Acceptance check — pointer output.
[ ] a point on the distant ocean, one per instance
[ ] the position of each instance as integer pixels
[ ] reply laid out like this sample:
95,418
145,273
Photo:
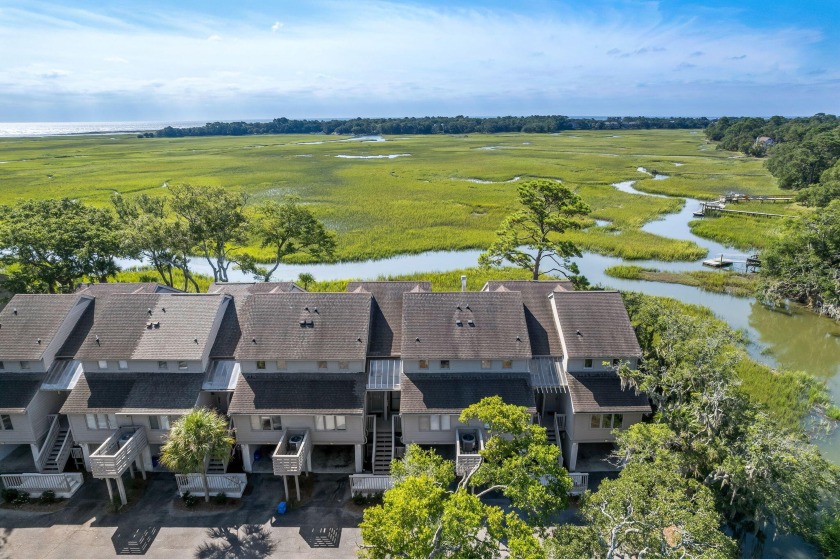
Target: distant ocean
25,129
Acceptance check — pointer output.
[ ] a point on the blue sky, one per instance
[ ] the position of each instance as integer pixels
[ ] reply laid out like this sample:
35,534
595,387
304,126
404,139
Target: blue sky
203,60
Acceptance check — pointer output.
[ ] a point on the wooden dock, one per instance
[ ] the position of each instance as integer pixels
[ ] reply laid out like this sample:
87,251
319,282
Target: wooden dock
754,198
719,208
719,262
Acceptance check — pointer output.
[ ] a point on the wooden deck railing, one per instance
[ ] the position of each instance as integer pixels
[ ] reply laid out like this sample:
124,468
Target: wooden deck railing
467,461
114,456
63,485
580,483
366,484
287,462
232,485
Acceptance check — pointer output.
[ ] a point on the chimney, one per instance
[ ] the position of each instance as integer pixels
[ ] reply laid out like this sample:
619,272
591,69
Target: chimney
463,283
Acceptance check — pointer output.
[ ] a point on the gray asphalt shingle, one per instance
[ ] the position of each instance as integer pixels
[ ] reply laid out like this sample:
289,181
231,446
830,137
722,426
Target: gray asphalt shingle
386,320
311,326
603,393
142,393
430,326
299,393
433,393
26,319
595,324
17,391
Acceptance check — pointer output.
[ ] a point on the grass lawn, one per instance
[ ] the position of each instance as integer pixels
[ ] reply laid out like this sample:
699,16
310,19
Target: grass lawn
449,192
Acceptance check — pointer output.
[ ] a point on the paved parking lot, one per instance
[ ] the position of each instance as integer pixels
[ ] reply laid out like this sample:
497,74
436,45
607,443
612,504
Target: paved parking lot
324,526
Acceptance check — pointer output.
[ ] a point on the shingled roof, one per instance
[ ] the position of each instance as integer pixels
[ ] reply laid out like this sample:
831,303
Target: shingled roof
432,393
430,326
542,329
305,326
30,323
142,393
600,393
230,331
17,391
386,319
299,393
595,324
110,288
121,326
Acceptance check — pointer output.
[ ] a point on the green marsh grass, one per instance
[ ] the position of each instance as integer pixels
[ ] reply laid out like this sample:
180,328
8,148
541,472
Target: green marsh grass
732,283
384,207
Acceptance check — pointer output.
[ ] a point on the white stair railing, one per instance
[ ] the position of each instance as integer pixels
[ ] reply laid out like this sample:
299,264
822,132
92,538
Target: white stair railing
49,441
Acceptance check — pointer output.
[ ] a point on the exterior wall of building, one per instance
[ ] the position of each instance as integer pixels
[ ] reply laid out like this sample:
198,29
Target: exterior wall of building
581,431
411,432
30,427
94,437
142,366
304,366
599,363
21,431
245,434
214,330
466,366
14,366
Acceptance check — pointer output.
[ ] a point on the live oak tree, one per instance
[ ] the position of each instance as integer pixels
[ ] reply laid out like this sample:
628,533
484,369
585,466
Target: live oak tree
194,440
650,511
531,238
50,245
287,229
215,220
421,517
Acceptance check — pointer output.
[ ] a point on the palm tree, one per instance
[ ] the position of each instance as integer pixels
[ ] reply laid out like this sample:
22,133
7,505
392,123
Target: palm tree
194,440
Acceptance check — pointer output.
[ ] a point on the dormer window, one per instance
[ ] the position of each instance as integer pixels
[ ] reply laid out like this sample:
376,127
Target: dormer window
587,363
103,364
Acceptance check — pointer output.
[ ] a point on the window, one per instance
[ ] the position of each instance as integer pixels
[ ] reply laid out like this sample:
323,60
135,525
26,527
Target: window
587,363
260,364
182,365
435,422
103,364
24,365
159,422
616,362
330,423
444,363
343,365
6,423
606,421
424,363
123,364
98,421
2,366
507,364
266,423
322,364
163,365
486,364
281,364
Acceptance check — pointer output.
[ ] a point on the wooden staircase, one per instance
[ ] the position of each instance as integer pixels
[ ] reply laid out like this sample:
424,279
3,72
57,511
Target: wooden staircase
382,449
59,452
217,466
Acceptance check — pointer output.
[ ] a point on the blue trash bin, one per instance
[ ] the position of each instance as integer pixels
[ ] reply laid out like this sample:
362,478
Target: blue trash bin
281,508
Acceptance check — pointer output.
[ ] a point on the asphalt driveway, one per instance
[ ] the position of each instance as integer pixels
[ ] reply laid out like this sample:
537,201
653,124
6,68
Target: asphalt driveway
324,525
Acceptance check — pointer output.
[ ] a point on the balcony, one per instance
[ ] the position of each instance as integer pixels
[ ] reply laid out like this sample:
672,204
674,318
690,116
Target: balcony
292,453
115,455
468,444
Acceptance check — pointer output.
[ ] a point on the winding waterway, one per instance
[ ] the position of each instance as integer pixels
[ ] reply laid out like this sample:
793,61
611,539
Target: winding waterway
795,339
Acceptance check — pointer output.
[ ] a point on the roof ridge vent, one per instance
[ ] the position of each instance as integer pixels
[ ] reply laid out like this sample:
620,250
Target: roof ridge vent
14,311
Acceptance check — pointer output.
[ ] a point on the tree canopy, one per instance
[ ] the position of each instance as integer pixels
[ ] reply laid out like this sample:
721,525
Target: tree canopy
531,237
804,264
421,517
50,245
194,440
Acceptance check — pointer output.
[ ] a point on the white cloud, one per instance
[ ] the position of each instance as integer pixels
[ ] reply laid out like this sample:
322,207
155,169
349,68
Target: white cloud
378,57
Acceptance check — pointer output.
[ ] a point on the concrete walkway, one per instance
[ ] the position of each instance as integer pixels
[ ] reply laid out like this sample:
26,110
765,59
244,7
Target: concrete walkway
325,525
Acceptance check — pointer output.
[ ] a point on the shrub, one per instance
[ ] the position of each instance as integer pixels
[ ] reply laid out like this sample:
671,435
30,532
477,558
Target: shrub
219,499
22,498
116,504
9,495
47,498
189,499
